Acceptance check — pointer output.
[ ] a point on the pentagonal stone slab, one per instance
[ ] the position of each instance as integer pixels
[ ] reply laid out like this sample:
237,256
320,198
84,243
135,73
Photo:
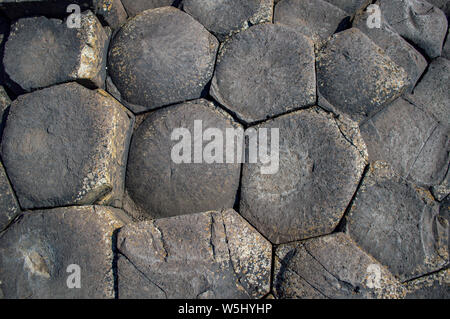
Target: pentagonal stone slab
398,224
67,145
41,52
432,92
134,7
356,77
350,6
418,22
37,250
207,255
162,186
309,193
410,140
331,267
224,18
265,71
9,207
399,50
160,57
435,286
316,19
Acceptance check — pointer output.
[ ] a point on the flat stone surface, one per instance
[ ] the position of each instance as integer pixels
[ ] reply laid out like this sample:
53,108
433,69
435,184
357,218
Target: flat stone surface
207,255
309,194
9,207
331,267
349,6
435,286
265,71
41,52
36,251
224,18
418,22
398,49
399,224
356,86
432,92
316,19
134,7
410,140
67,145
162,188
161,57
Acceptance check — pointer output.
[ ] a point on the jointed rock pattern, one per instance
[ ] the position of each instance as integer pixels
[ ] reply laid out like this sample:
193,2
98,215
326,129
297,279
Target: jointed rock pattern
115,137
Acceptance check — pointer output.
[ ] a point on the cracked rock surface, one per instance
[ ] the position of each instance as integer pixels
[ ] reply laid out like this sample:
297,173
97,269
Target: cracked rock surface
9,207
208,255
134,7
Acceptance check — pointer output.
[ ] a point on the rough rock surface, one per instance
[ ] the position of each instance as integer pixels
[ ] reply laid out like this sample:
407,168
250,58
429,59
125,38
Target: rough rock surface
446,48
36,251
111,12
5,101
316,19
444,5
435,286
265,71
162,188
356,77
398,49
67,145
350,6
41,52
331,267
134,7
224,18
442,190
399,224
410,140
9,207
418,22
161,57
207,255
309,194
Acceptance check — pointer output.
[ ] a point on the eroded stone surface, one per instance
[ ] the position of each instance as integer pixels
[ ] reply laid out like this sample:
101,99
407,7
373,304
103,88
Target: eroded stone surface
36,251
158,185
309,193
331,267
350,6
134,7
265,71
224,18
111,11
67,145
435,286
206,255
9,207
399,224
356,77
41,52
5,101
161,57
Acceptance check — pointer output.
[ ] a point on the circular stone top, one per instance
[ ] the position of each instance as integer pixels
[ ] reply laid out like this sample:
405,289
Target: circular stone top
160,57
265,71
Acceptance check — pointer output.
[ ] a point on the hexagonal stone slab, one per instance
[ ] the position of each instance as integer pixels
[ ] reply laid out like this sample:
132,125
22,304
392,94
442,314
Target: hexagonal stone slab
37,250
432,92
350,6
160,57
331,267
265,71
162,186
224,18
67,145
311,190
435,286
9,207
418,22
410,140
398,224
207,255
356,77
41,52
399,50
134,7
316,19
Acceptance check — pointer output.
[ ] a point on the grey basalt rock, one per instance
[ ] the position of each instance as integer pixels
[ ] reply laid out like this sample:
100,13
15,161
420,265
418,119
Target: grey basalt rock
446,48
67,145
37,250
442,190
9,207
225,18
264,71
41,52
207,255
331,267
162,187
410,140
350,6
161,57
417,21
444,5
356,77
398,49
316,19
434,286
111,12
399,224
134,7
310,192
5,101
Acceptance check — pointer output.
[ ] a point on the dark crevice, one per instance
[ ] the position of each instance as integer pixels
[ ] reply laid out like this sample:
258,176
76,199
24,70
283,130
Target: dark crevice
114,263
